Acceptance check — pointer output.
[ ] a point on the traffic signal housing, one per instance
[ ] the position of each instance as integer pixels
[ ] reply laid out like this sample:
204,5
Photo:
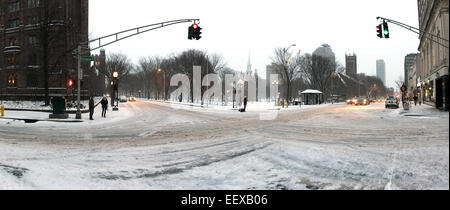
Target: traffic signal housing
191,32
195,32
380,31
386,30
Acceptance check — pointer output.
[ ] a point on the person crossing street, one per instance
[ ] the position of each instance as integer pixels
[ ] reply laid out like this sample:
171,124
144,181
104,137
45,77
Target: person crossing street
104,103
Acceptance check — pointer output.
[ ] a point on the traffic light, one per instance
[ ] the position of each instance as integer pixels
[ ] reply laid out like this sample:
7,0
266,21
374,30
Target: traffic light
380,31
70,83
191,32
386,30
197,31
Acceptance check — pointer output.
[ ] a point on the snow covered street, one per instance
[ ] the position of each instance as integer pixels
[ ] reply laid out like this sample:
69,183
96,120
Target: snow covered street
154,145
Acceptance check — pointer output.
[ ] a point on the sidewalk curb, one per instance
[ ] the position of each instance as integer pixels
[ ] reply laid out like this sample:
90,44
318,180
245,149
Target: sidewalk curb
30,120
45,111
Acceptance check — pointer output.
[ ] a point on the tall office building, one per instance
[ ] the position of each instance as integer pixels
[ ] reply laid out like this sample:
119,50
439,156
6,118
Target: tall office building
409,61
351,65
381,71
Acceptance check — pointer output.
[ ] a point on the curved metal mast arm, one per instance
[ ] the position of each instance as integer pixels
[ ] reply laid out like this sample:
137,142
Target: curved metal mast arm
418,31
115,37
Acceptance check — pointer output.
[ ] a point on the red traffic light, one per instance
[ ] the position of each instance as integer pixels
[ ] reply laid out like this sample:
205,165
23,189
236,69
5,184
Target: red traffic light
70,83
195,26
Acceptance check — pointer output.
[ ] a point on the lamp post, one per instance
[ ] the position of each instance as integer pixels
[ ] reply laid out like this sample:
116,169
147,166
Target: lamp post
275,83
285,66
115,89
78,114
164,78
333,75
240,83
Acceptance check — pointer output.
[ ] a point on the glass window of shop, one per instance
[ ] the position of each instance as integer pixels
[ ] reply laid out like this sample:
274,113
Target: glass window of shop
429,91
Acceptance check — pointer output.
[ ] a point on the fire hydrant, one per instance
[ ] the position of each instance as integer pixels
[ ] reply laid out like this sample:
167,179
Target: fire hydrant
2,110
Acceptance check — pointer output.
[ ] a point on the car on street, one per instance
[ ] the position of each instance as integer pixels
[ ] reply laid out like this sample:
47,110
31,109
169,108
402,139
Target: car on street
392,101
123,99
362,100
132,99
349,101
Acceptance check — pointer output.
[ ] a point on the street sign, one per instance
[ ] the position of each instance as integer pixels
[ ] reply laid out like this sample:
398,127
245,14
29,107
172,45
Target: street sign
87,58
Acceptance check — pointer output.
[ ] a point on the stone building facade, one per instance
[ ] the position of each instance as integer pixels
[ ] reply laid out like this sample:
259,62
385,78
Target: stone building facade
434,58
409,62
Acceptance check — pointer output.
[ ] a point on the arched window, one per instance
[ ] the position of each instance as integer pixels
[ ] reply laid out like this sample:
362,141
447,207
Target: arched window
12,80
12,42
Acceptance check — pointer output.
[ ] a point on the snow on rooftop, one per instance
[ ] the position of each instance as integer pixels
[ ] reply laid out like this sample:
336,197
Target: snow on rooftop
311,91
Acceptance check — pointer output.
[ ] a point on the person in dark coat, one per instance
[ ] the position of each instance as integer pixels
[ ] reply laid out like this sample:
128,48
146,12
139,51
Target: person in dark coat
104,103
245,103
91,108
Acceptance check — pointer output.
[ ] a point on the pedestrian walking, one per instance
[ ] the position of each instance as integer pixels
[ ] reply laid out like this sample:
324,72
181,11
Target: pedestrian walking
91,108
104,103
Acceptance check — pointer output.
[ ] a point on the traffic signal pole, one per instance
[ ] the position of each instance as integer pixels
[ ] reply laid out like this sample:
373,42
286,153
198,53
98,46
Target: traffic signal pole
427,35
78,115
118,37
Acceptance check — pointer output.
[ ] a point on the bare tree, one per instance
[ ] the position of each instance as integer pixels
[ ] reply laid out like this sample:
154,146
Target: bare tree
118,62
217,62
148,68
322,72
289,68
399,82
52,33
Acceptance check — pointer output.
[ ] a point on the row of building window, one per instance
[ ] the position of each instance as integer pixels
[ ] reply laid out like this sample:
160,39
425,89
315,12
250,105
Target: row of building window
32,80
32,41
15,6
12,23
13,60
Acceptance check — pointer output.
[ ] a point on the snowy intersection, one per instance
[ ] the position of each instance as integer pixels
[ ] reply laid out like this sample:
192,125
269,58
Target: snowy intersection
153,145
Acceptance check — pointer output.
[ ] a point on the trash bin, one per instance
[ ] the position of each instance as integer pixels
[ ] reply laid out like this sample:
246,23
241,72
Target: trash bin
59,105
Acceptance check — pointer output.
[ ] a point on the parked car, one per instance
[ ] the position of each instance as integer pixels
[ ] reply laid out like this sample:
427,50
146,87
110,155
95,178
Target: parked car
131,99
392,101
362,100
123,99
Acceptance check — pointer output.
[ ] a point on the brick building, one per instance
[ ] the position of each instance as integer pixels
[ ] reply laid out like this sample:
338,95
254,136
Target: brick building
35,34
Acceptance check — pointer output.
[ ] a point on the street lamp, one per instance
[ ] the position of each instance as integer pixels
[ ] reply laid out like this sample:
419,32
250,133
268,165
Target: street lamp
115,89
275,83
240,83
286,62
333,75
164,78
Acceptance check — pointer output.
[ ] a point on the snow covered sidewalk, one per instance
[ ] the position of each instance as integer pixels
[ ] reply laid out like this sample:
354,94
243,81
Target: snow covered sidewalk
421,111
38,118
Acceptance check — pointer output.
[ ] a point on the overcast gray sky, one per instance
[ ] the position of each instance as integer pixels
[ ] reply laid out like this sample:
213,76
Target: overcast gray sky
232,28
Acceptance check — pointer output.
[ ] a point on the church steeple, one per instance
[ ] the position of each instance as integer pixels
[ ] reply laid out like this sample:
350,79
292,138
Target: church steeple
249,65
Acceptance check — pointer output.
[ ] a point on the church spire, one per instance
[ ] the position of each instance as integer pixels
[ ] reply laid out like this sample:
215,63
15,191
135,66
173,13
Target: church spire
249,65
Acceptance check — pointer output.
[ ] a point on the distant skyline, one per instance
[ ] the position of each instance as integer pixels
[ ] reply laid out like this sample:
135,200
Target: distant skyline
232,28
